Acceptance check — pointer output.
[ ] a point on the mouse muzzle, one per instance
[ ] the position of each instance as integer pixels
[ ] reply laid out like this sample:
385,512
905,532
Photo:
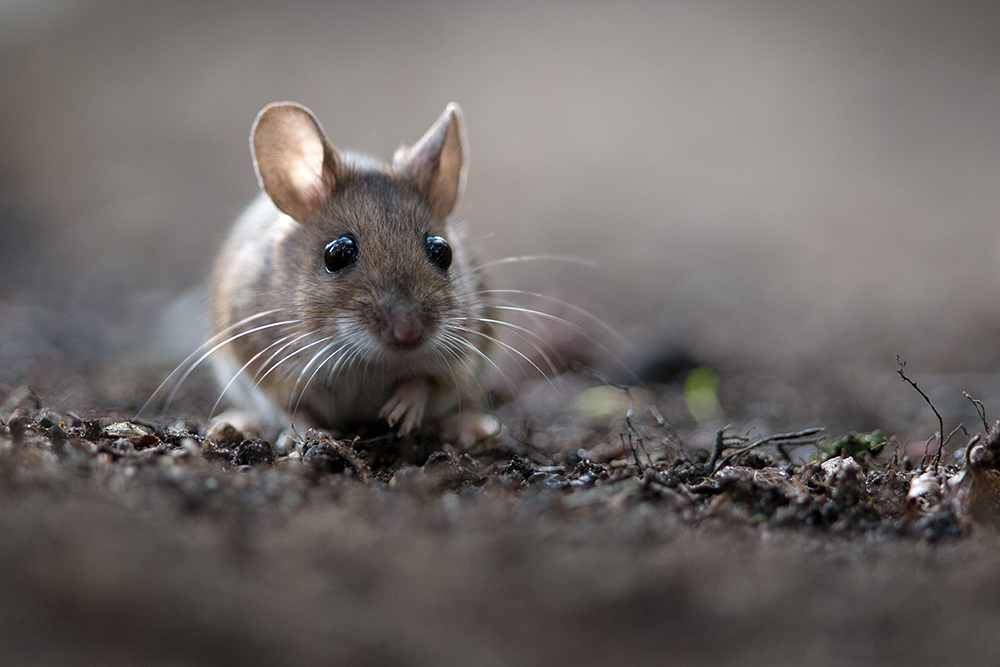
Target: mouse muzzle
403,327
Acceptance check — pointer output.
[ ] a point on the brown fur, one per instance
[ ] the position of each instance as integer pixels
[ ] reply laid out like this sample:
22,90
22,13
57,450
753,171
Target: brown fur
273,261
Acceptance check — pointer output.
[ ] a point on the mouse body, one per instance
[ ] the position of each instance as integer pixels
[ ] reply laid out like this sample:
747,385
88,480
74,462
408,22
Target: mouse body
343,294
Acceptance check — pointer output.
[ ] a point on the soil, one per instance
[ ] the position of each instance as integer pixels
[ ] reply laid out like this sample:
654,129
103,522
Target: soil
573,537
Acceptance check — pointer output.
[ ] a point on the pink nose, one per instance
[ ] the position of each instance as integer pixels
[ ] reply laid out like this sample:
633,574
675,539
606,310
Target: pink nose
404,328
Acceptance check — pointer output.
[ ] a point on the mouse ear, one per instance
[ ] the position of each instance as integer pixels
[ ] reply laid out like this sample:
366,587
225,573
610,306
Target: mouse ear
437,163
296,164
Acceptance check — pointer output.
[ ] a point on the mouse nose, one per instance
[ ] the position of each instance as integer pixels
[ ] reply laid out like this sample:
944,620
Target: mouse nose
405,329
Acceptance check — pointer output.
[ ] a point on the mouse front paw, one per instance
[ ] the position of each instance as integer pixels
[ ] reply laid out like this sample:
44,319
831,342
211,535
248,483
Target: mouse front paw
407,405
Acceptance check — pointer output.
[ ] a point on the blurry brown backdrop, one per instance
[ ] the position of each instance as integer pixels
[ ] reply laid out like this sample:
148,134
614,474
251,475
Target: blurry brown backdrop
800,188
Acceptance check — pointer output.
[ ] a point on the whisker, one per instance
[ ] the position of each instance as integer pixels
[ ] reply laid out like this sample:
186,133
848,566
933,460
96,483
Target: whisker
514,350
341,362
191,356
511,349
589,263
303,369
287,357
439,352
525,334
572,325
343,365
456,352
614,333
217,347
319,366
471,346
257,375
247,365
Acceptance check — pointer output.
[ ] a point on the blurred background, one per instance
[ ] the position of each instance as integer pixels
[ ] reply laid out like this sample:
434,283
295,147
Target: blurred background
790,192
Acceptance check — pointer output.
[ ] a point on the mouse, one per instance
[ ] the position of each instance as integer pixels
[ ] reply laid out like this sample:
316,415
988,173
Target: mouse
345,294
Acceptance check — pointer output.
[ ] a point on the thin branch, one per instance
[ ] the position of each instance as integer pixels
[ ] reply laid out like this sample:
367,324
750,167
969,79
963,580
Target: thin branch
720,446
940,451
629,413
672,441
937,456
981,409
665,425
801,437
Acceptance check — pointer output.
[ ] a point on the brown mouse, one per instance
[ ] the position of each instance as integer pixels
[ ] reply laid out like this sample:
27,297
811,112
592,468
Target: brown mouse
344,295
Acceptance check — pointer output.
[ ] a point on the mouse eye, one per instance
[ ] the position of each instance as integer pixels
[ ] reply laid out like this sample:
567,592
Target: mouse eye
438,251
340,253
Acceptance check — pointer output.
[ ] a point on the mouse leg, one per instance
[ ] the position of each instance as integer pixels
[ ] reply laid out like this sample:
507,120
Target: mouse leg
407,405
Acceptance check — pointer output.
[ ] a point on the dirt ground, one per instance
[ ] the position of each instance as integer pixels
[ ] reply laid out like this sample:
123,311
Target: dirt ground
778,195
157,545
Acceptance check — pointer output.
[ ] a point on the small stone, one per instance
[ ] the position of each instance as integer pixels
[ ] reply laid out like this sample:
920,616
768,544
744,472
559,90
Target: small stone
120,447
324,459
93,431
224,434
924,493
19,425
286,443
47,418
188,448
548,480
253,452
126,430
588,473
848,484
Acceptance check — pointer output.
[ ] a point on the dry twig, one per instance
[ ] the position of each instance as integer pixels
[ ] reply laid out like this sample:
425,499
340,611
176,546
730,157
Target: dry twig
631,433
980,408
941,439
804,437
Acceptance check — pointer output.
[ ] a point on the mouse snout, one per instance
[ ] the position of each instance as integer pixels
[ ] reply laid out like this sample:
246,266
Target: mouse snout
404,326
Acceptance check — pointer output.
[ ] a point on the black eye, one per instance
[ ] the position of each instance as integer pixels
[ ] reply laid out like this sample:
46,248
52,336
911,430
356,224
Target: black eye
438,251
340,253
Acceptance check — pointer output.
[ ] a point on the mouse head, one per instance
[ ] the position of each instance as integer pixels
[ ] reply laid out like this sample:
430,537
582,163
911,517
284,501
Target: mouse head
371,246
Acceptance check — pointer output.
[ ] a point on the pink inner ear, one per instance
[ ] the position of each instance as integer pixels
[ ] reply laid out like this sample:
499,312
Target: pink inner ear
305,165
435,162
306,177
294,160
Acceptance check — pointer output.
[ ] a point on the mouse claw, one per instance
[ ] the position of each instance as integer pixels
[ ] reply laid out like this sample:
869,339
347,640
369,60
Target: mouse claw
406,407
